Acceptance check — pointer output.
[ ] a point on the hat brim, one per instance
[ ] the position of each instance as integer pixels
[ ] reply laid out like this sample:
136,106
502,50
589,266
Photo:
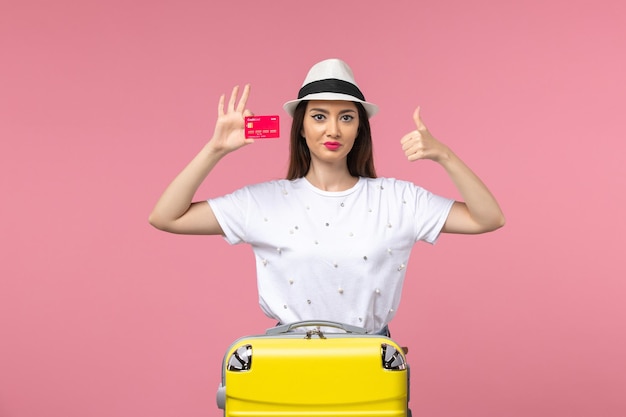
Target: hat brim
290,106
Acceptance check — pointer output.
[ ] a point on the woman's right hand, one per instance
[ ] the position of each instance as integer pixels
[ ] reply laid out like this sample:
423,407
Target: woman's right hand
229,128
175,212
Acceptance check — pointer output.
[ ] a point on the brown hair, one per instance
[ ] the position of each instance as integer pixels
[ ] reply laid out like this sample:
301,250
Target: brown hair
360,158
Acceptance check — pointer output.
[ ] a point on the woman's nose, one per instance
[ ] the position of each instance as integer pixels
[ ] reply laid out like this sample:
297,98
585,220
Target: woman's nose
332,129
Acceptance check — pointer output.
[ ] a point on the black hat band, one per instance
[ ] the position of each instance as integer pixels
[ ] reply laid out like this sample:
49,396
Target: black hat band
331,85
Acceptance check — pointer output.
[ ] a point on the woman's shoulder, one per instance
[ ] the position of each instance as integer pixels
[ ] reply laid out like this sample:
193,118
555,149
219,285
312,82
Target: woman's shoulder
395,187
275,185
389,182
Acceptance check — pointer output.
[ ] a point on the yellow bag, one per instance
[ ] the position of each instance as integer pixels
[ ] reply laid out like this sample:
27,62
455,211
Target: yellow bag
314,373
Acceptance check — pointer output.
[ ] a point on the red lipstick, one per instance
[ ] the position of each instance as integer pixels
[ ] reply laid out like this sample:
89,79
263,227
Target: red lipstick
332,146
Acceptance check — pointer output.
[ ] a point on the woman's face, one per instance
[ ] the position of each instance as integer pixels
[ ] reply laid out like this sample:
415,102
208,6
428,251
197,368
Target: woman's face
330,128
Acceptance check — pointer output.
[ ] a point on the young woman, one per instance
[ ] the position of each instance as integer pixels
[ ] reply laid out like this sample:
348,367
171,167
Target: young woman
332,240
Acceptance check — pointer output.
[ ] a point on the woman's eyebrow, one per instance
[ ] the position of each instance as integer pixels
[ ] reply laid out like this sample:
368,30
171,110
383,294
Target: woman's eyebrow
320,110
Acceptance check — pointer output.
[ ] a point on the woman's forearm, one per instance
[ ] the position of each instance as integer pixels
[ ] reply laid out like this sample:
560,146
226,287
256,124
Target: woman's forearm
479,212
479,203
178,196
175,211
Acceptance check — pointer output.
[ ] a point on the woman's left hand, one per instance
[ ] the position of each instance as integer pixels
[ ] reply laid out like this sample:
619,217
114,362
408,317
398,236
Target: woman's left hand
479,213
421,144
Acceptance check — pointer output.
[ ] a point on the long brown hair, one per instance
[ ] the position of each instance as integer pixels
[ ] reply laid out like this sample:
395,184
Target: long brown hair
360,158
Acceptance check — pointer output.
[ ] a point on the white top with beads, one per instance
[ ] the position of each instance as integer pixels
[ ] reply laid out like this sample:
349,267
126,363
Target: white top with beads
338,256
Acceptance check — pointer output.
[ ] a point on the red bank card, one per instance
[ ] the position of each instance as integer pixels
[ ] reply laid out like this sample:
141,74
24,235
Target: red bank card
262,127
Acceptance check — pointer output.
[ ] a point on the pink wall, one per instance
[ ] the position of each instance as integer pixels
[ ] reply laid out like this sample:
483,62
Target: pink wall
101,103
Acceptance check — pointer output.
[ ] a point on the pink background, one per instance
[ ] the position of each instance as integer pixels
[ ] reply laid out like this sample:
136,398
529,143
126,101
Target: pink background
102,103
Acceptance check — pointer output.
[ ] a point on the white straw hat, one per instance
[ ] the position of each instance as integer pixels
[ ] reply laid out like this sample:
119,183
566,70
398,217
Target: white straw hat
331,79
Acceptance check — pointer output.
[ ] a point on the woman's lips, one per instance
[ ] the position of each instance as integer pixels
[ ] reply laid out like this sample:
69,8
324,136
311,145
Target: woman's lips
333,146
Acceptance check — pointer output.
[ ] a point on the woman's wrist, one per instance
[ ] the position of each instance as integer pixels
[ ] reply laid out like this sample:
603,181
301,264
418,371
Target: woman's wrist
212,151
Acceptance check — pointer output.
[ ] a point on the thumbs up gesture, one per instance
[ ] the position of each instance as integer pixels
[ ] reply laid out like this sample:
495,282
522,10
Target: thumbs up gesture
421,144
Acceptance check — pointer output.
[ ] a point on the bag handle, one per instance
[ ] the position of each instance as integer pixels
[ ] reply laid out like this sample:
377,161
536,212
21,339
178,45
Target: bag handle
348,328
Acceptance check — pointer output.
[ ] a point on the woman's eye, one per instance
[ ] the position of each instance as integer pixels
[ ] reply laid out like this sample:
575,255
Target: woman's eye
318,117
347,118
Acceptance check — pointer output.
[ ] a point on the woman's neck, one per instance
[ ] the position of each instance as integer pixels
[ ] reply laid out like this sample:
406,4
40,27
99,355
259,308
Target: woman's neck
329,179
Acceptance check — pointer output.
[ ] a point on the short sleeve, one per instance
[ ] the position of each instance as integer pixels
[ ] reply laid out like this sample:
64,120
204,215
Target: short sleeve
431,212
231,212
